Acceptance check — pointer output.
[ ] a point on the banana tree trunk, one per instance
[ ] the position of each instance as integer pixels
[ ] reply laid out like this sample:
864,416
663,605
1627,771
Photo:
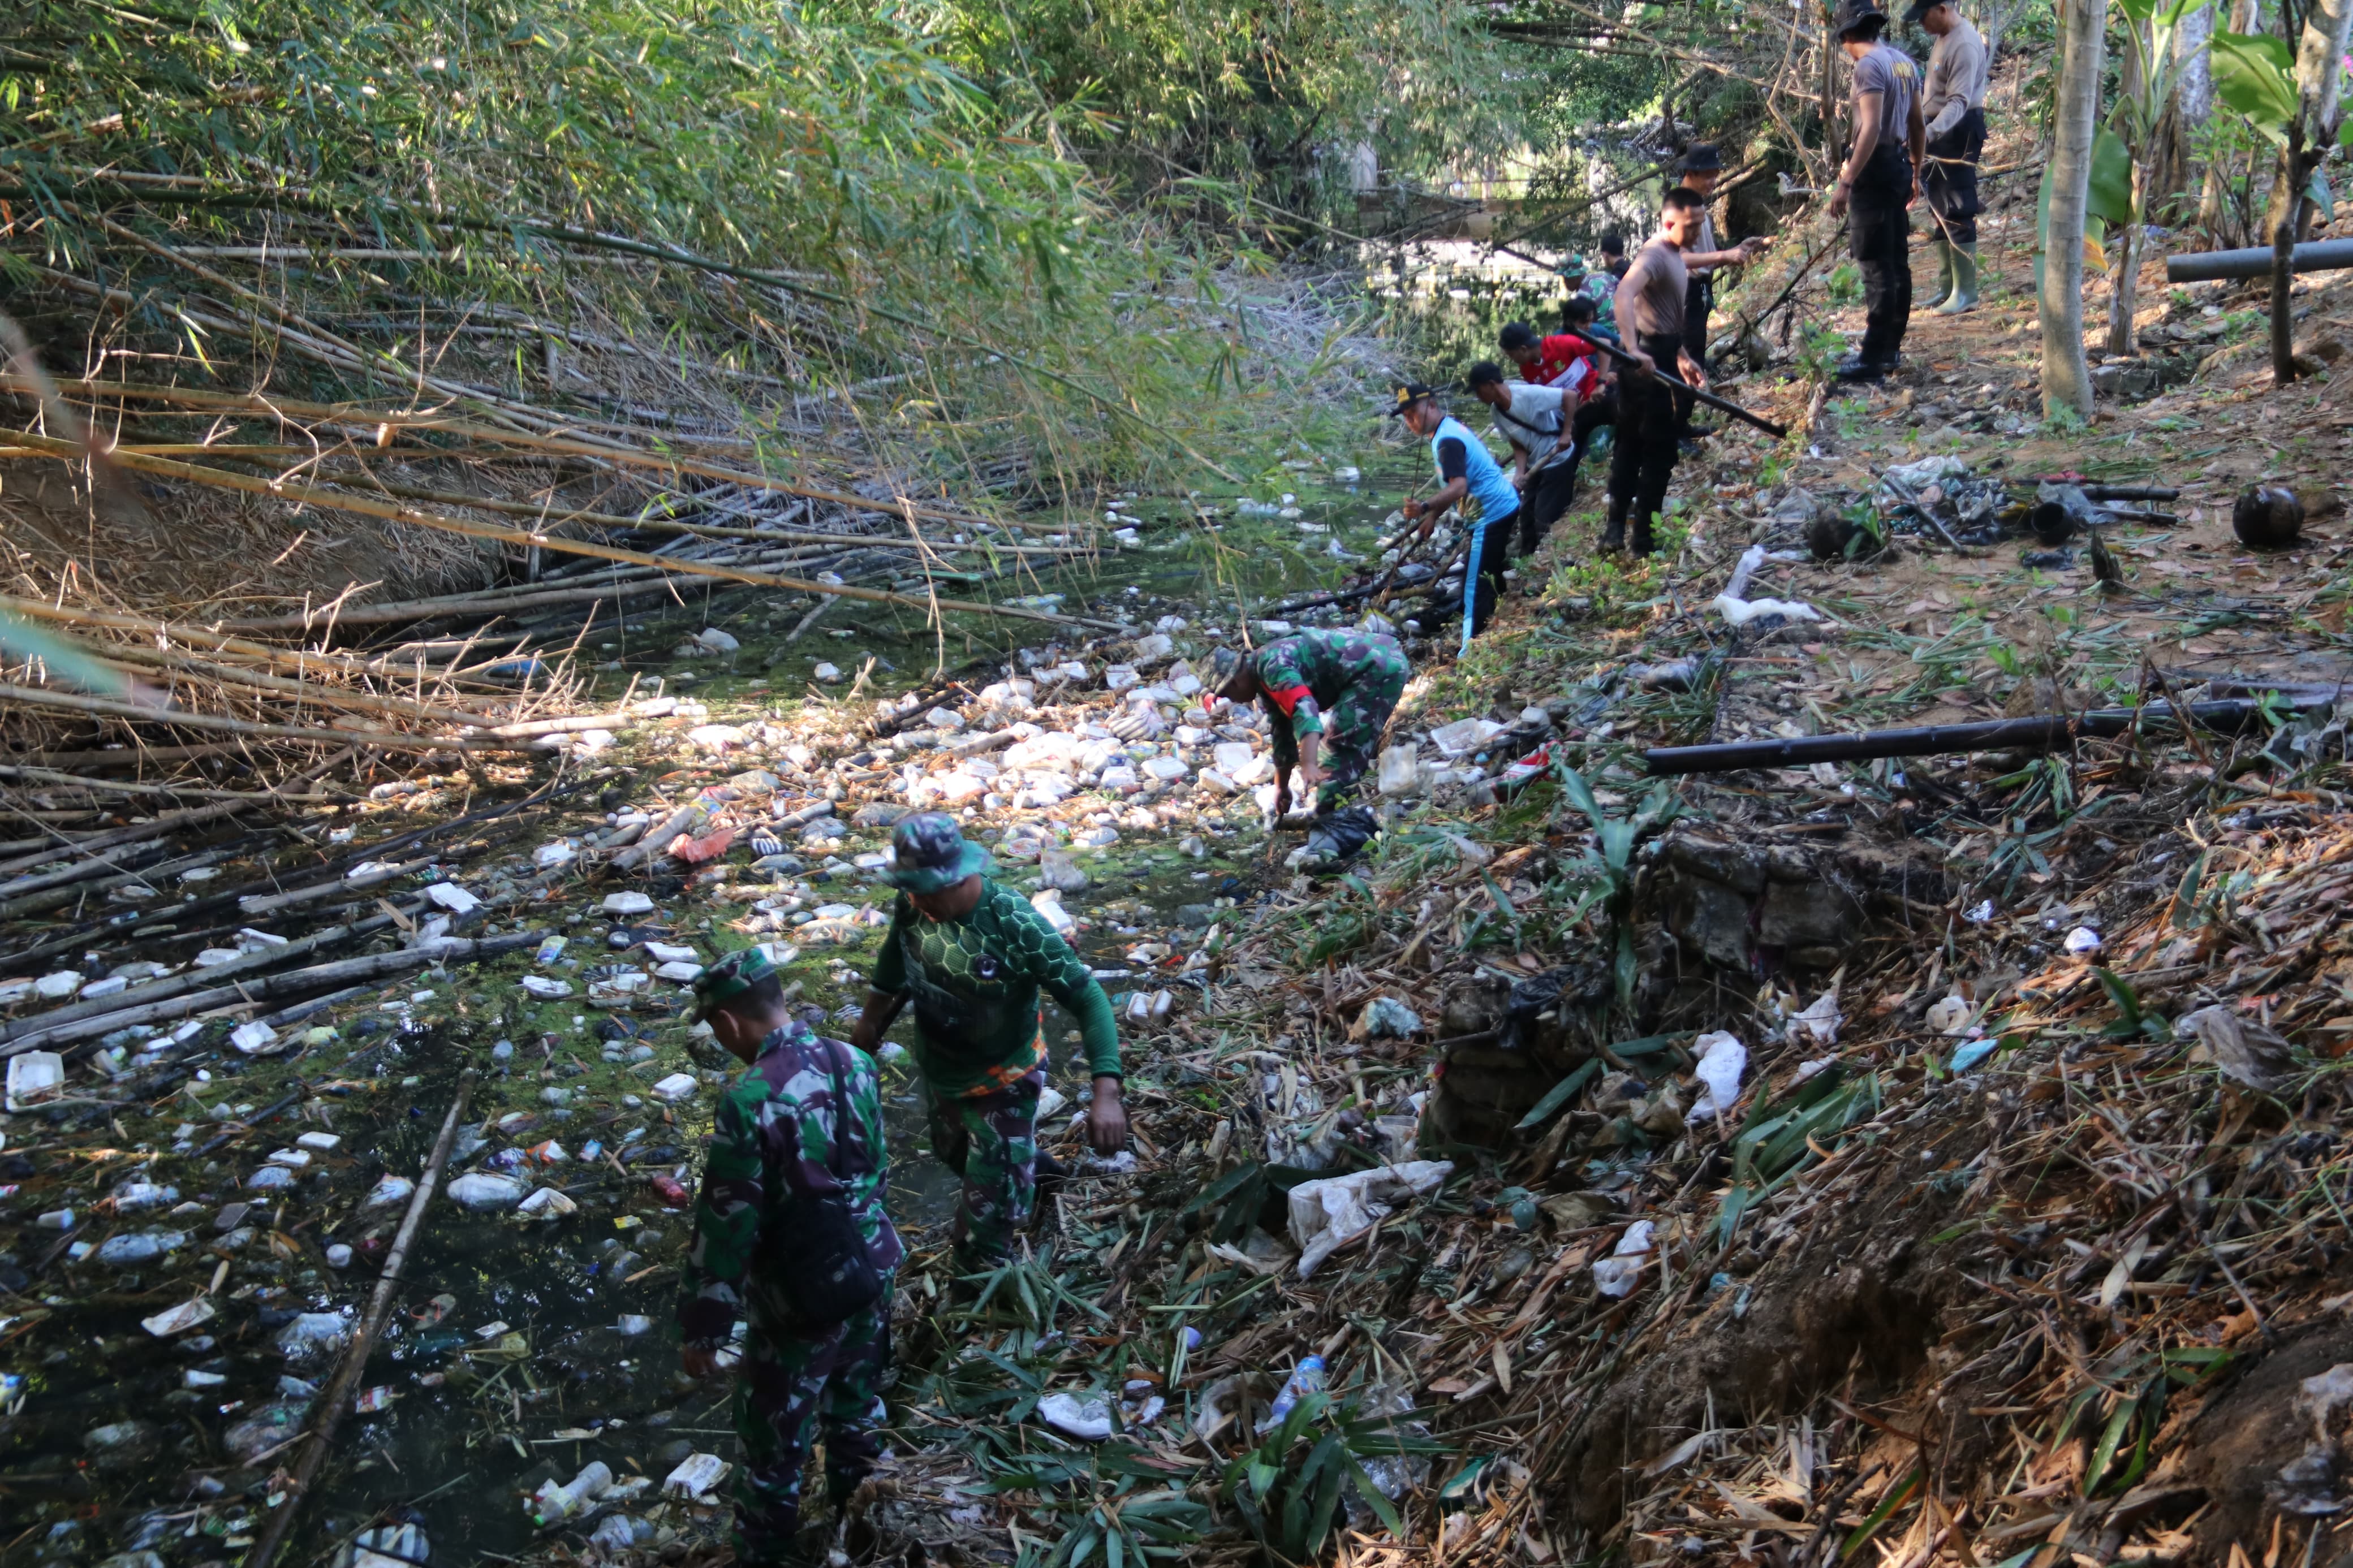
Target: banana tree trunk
2066,376
2214,197
2317,78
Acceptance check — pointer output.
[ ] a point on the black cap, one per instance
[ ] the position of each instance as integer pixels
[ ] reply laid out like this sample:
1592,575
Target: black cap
1858,17
1517,335
1411,393
1917,12
1701,158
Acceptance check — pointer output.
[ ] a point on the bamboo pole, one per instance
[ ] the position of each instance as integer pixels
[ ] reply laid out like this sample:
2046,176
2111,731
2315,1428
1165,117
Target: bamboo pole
329,1411
314,495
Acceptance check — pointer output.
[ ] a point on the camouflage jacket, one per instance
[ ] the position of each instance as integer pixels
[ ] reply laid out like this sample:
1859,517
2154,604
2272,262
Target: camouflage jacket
774,1140
1304,674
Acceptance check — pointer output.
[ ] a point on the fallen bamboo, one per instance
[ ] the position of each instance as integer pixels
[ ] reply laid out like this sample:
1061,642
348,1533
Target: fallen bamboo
270,987
78,882
41,775
389,740
256,905
173,822
313,495
303,660
165,987
280,686
551,518
2041,732
367,421
319,1438
458,604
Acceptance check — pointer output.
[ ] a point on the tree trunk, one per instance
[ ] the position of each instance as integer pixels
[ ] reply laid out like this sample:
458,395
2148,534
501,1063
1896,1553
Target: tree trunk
2196,73
2283,276
2131,84
2066,377
2125,297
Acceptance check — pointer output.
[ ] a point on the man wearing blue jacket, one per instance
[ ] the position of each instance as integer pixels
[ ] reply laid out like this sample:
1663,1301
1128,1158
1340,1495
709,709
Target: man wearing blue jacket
1466,471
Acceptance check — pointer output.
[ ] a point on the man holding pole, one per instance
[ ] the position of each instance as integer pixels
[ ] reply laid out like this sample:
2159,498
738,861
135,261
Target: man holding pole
1466,471
1651,314
1890,141
1954,102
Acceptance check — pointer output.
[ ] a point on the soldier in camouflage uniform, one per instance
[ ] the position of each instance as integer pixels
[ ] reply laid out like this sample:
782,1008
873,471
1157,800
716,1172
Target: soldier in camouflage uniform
1329,694
973,955
781,1133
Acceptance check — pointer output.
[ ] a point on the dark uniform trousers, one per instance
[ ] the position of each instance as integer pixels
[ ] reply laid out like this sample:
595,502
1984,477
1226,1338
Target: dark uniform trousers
1643,459
1881,233
1950,180
1699,304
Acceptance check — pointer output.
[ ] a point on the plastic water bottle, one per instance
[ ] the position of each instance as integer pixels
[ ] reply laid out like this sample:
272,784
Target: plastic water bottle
1306,1378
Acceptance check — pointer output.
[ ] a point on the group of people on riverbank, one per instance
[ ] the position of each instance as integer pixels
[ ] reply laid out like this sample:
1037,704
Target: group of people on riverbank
1633,367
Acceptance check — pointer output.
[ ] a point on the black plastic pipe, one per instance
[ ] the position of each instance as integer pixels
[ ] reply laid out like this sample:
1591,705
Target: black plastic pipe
2206,266
2044,731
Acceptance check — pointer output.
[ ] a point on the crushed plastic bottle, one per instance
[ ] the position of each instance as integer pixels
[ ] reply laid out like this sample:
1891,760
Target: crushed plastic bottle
1306,1378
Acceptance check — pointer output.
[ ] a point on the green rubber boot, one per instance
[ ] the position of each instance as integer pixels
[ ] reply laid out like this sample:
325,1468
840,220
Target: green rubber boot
1964,295
1944,275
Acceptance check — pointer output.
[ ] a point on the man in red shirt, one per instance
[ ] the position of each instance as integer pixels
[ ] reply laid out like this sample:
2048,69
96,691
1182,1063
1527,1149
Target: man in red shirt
1547,361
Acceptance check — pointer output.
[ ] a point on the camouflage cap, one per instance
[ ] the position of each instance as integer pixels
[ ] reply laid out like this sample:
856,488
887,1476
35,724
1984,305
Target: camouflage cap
928,852
1224,664
729,978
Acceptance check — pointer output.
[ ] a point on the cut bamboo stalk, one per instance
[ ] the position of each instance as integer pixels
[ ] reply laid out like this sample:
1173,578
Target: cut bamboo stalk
303,661
277,685
289,489
454,605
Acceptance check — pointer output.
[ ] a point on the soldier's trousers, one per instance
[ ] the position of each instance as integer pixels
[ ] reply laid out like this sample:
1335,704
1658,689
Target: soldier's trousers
1353,730
990,1140
792,1383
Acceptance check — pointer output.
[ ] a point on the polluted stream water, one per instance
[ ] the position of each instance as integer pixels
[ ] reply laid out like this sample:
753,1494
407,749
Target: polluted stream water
200,1179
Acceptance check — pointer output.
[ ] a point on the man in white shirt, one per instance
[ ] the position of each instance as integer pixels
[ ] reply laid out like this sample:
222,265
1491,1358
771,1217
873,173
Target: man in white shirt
1536,421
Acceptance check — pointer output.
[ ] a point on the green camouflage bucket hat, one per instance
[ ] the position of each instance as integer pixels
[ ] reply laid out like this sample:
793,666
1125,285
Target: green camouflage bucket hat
928,852
729,978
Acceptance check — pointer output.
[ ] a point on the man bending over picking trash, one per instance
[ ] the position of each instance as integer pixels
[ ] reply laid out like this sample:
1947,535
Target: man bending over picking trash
972,955
790,1230
1329,696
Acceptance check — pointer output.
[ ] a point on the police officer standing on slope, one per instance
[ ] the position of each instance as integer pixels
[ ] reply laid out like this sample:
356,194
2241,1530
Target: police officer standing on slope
1650,312
1954,102
1890,140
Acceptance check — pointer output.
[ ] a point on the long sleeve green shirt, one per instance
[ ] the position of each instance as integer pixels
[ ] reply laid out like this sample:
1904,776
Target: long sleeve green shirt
975,984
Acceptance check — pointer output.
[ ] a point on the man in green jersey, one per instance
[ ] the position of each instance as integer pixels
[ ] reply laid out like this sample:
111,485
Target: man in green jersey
972,955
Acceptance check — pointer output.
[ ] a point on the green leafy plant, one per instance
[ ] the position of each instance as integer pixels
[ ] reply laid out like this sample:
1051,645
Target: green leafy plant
1122,1526
2130,1021
1775,1138
1288,1487
1609,861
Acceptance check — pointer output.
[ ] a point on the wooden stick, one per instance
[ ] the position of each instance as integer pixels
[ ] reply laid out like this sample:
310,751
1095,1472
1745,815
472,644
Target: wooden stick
319,1440
620,520
138,831
302,660
313,495
457,604
280,686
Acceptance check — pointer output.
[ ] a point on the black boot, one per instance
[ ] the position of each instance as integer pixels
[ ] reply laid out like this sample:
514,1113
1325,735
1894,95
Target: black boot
1613,533
1643,544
